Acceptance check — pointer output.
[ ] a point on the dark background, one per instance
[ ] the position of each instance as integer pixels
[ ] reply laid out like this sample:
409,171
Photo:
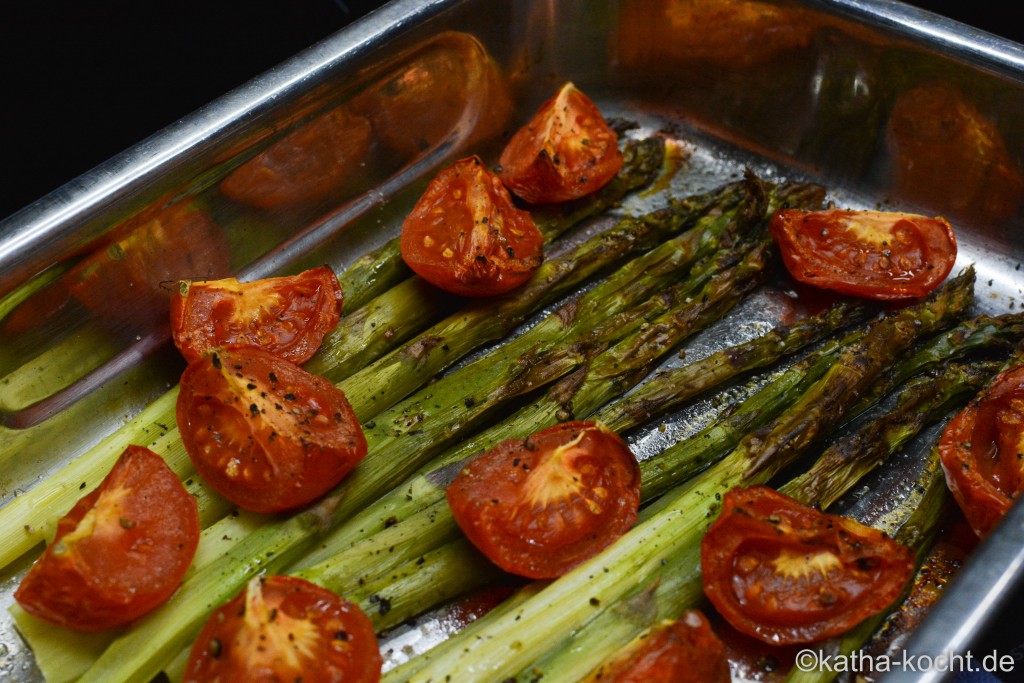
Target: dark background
83,80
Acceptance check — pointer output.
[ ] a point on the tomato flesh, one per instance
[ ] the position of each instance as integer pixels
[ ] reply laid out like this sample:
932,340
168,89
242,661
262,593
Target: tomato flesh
981,452
872,254
310,164
786,573
263,432
285,629
121,551
288,316
681,651
539,506
467,237
564,152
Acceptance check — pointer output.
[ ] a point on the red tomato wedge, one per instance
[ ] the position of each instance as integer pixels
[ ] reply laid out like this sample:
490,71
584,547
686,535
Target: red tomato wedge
681,651
288,316
263,432
285,629
310,164
466,237
539,506
564,152
786,573
120,552
981,452
871,254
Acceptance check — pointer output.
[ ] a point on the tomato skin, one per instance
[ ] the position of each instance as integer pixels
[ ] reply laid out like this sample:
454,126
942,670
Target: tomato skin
282,629
288,316
980,450
786,573
307,165
872,254
539,506
466,237
564,152
120,552
263,432
681,651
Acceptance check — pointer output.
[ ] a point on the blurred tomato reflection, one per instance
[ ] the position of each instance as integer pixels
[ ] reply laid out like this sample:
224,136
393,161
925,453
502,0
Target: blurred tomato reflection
663,34
448,87
949,155
131,279
310,164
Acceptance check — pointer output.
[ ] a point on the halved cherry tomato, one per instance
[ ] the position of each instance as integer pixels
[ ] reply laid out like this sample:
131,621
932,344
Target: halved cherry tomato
872,254
539,506
786,573
283,628
120,552
981,452
566,151
466,237
287,316
681,651
263,432
309,164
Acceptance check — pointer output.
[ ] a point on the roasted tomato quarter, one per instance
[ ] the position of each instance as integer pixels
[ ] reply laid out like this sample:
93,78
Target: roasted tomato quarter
786,573
539,506
282,629
981,451
466,237
565,151
120,552
871,254
263,432
288,316
681,651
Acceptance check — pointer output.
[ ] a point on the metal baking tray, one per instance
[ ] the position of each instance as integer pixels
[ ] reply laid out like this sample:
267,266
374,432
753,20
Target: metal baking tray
886,104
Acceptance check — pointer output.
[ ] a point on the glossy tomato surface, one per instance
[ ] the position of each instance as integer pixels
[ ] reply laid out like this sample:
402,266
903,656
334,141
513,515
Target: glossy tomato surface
564,152
786,573
466,237
120,552
539,506
263,432
288,316
282,629
981,452
310,164
872,254
681,651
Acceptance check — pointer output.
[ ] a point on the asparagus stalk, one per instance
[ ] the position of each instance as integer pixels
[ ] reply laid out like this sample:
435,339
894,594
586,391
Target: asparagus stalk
511,642
30,518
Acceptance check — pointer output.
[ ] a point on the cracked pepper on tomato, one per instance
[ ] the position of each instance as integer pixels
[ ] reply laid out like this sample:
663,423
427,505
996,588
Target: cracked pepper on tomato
682,651
467,237
264,433
287,316
872,254
785,573
981,451
120,552
283,628
566,151
539,506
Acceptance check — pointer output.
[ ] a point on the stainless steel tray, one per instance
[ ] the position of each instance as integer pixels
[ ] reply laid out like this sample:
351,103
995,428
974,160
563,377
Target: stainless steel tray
882,102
